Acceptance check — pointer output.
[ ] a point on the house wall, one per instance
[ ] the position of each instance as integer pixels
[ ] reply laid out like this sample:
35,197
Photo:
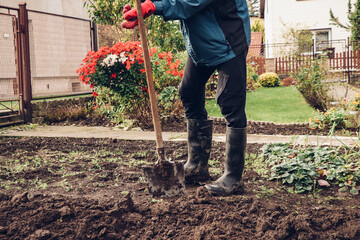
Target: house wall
62,7
57,47
281,15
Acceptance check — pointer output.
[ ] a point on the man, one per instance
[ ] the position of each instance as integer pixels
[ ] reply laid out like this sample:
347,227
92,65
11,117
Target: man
217,36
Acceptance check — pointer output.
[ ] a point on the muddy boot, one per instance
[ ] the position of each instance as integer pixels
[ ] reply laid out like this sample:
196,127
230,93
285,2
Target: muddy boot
199,146
231,181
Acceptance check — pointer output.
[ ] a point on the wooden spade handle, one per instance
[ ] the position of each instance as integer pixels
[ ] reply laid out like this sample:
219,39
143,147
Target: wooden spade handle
150,83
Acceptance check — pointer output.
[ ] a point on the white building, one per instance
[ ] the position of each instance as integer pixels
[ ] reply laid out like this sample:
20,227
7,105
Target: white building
62,7
313,15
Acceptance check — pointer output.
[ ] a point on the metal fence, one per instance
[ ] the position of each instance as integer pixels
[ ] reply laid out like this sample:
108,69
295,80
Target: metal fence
11,93
286,49
57,46
284,58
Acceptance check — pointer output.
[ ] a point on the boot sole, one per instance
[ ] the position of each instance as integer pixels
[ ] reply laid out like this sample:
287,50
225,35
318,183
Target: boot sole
238,191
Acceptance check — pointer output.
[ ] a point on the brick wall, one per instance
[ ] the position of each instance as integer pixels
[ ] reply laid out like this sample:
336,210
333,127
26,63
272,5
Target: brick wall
42,109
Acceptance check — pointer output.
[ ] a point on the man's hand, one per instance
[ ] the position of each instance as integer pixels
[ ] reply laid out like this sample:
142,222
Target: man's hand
148,8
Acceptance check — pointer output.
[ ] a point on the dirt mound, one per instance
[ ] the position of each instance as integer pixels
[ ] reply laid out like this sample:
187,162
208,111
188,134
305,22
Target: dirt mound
60,188
42,216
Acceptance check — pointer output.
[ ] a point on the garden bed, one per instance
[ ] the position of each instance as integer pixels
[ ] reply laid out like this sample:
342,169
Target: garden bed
219,126
61,188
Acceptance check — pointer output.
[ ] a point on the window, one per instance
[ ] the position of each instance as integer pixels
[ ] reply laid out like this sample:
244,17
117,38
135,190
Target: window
313,40
321,40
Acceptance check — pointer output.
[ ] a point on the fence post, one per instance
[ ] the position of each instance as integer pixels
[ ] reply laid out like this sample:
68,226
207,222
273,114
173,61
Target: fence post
25,55
348,60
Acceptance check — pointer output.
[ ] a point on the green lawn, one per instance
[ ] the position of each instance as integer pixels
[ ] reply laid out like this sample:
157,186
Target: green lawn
280,104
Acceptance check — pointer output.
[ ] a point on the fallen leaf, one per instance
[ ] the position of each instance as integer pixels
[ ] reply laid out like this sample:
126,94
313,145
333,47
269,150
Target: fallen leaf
323,183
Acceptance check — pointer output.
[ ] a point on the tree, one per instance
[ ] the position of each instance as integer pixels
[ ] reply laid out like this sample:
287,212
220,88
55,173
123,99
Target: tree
108,13
254,7
258,26
165,35
354,20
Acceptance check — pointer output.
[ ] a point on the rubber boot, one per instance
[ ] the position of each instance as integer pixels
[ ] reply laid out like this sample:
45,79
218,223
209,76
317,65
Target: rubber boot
199,147
231,181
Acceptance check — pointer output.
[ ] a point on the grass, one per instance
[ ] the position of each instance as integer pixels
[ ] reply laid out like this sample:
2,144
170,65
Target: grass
280,105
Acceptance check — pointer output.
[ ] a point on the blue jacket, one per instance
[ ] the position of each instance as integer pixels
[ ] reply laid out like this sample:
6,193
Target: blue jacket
214,31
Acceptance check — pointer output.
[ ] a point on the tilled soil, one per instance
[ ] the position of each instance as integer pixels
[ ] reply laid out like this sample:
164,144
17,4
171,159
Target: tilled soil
62,188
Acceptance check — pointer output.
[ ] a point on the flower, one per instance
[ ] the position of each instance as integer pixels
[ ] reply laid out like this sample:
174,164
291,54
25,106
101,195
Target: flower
95,94
113,75
110,60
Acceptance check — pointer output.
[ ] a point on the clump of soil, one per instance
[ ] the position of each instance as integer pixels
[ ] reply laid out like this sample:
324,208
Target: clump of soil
61,188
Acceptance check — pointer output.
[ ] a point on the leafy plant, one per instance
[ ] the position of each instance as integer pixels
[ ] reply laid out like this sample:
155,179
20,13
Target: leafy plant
310,82
120,70
166,34
108,13
269,79
332,118
288,81
169,100
252,80
354,105
302,167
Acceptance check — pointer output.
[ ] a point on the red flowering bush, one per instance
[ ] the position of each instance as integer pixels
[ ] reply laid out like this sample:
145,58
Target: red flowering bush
121,70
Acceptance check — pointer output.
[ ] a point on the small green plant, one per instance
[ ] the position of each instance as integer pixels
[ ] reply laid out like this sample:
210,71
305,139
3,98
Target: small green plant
252,81
332,118
269,79
257,164
264,192
302,167
169,101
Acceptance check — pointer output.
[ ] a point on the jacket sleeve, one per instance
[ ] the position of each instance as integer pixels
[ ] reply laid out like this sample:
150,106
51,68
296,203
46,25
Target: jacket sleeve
179,9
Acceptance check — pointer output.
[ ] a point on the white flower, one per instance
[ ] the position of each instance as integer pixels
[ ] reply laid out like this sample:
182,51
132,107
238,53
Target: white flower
110,60
122,57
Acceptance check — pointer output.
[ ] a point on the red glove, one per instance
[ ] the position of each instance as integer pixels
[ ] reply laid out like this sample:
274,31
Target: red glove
148,8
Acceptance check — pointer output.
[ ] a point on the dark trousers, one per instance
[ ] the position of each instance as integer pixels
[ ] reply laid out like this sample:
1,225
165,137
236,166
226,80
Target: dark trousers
230,92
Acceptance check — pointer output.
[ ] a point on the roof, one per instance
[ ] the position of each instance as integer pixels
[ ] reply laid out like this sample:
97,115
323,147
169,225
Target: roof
256,43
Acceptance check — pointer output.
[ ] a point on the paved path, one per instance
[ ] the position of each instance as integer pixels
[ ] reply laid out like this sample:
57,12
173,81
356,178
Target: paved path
115,133
339,91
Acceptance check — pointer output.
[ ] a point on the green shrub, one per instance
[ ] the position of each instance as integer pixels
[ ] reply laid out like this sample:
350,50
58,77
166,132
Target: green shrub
269,79
170,103
119,71
310,82
332,118
288,81
252,80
